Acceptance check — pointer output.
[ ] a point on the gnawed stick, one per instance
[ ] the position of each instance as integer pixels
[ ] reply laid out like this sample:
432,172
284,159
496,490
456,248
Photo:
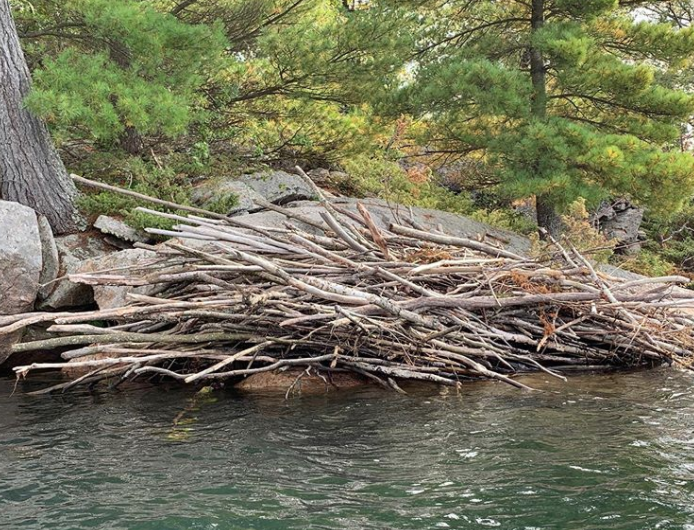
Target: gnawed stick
126,337
436,308
146,198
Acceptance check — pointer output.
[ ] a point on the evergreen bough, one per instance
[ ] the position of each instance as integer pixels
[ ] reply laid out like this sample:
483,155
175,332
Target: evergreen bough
564,98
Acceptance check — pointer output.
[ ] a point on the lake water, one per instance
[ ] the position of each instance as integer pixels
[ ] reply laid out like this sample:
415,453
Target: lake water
609,451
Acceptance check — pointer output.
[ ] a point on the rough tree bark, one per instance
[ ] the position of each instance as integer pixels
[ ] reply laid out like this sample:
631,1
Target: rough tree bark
31,172
547,216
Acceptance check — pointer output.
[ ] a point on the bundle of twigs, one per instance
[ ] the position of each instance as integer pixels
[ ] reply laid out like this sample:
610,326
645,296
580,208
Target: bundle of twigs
341,294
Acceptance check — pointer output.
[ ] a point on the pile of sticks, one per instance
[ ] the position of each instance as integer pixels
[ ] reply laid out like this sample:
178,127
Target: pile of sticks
340,294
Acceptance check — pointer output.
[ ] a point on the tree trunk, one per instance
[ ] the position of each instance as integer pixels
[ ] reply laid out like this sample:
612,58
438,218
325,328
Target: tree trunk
537,63
131,141
31,172
547,216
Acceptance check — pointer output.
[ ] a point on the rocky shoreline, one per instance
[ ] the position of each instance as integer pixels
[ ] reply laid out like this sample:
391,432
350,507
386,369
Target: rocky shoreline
35,266
38,271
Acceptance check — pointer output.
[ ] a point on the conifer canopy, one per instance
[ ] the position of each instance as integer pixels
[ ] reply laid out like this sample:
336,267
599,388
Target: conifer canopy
602,122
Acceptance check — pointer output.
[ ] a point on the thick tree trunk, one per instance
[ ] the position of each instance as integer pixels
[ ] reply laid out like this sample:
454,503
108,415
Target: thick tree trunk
31,172
547,216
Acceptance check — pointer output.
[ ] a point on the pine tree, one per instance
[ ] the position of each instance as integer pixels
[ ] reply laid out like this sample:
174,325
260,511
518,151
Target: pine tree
113,71
563,98
301,74
278,78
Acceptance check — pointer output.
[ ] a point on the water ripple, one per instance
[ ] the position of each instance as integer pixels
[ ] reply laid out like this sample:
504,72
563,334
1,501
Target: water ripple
600,452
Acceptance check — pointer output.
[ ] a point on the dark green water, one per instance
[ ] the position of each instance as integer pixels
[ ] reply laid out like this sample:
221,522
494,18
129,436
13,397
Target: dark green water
600,452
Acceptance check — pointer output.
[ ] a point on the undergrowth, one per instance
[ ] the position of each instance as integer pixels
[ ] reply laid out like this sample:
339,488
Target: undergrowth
417,186
169,178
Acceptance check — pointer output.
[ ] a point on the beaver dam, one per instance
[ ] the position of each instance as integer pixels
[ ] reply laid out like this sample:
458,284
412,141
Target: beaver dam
340,294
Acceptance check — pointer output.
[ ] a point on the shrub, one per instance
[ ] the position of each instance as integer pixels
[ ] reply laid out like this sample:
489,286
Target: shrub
580,233
672,237
648,263
171,183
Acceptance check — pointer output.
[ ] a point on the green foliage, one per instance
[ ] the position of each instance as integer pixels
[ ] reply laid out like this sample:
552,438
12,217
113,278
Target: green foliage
388,180
146,177
296,89
507,219
134,174
369,176
580,233
101,98
672,237
117,65
301,130
596,121
567,160
583,235
648,263
216,85
280,79
223,204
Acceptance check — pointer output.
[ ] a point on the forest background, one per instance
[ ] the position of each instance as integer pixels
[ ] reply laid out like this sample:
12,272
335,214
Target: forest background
483,108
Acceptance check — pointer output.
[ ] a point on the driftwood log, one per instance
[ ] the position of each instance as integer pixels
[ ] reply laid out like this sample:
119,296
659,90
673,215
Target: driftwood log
341,294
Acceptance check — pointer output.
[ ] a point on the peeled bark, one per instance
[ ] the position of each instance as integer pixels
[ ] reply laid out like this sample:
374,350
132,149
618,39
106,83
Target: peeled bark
31,172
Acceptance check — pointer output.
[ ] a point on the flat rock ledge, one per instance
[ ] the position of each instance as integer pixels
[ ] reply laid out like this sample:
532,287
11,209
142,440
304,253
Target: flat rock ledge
299,382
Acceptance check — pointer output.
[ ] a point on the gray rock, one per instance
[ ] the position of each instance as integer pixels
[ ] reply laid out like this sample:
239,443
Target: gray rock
20,265
6,343
233,196
240,196
117,228
621,221
20,258
117,243
114,296
319,175
384,214
49,253
339,175
278,187
617,272
73,251
457,176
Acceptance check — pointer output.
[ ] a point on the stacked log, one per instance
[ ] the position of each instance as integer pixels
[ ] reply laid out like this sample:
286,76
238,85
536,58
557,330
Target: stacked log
341,294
